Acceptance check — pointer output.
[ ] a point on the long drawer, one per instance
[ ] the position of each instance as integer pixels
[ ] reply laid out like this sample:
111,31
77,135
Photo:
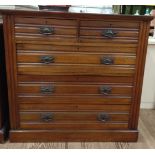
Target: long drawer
122,80
74,99
75,58
81,47
73,120
61,88
26,104
70,69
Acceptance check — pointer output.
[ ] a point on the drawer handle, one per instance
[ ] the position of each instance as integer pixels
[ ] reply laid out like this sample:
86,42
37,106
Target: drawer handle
109,33
47,117
46,30
103,117
106,90
107,60
47,59
47,89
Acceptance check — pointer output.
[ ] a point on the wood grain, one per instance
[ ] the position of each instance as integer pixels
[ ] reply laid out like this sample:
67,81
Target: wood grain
74,99
76,108
75,58
130,42
67,69
73,88
44,21
107,24
146,139
71,78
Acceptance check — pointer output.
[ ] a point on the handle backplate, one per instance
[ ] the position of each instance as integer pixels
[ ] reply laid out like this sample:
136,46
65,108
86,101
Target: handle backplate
47,117
107,60
103,117
106,90
47,59
46,30
47,89
109,33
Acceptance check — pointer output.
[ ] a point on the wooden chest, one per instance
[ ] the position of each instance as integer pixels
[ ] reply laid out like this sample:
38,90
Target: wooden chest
74,77
3,91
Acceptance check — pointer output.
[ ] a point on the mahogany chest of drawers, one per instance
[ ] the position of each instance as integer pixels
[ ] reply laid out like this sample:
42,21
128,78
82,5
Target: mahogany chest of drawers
3,91
74,77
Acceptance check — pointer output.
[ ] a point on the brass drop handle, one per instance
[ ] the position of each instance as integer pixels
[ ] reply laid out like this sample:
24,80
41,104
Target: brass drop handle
107,60
109,33
47,89
47,59
103,117
106,90
46,30
46,117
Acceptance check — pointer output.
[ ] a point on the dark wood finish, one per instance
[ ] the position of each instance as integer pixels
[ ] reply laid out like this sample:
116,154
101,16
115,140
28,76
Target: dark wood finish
100,79
73,126
73,107
70,120
72,135
74,77
1,88
74,99
4,120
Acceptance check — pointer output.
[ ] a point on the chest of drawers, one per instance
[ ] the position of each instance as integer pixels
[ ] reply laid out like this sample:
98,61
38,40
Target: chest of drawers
74,77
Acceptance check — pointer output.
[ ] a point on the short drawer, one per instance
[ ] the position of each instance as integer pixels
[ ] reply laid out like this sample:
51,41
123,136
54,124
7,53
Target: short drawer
73,120
60,88
75,58
108,35
108,47
45,29
110,24
25,47
44,21
108,31
75,69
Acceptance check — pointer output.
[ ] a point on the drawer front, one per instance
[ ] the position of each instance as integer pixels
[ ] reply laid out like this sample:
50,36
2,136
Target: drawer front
58,69
110,24
92,32
22,47
73,100
65,78
108,48
38,30
89,48
73,120
109,31
108,35
37,104
45,29
46,88
75,58
44,21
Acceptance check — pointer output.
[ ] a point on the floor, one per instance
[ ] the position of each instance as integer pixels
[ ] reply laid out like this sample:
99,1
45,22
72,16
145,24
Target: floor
146,139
